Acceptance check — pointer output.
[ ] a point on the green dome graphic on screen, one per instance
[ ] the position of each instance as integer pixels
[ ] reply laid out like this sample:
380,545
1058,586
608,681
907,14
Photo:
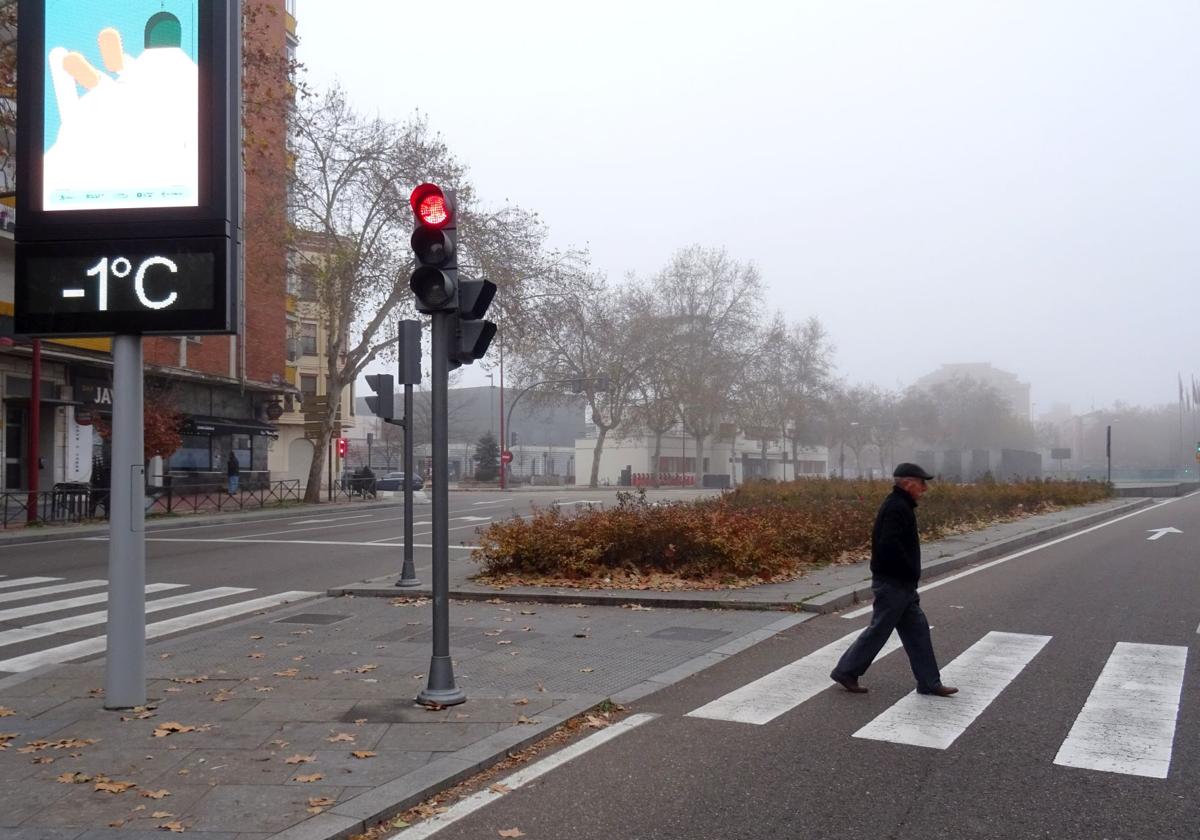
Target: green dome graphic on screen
163,30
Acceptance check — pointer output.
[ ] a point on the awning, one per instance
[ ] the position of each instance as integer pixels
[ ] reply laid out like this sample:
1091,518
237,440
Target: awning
43,401
195,424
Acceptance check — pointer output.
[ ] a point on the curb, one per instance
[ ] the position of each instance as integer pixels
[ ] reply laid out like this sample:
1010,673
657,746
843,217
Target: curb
827,602
839,599
361,813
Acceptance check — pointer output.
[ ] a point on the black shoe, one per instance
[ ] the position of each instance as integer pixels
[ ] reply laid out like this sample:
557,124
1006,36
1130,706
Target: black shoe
848,683
938,691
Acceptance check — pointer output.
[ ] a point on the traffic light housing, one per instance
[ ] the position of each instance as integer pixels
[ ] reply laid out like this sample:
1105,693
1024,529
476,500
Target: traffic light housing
343,446
383,404
434,281
470,336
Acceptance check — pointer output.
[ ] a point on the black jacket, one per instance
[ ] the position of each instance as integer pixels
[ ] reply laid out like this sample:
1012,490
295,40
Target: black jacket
895,547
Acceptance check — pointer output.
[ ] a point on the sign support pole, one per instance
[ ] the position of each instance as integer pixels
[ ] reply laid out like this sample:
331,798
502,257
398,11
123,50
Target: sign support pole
408,572
125,659
440,689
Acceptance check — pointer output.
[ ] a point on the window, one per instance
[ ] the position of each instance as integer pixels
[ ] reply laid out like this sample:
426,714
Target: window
242,449
194,455
308,339
308,384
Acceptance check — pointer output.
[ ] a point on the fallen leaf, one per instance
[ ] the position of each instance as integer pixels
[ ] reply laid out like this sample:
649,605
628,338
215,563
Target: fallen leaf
363,754
523,719
638,607
359,721
504,642
297,658
595,722
165,729
586,670
311,777
500,787
365,669
264,688
114,787
165,655
300,759
278,742
255,655
540,685
320,802
116,823
290,672
340,738
511,832
492,632
189,680
44,759
156,794
256,638
221,696
161,815
6,712
528,612
581,635
72,778
177,827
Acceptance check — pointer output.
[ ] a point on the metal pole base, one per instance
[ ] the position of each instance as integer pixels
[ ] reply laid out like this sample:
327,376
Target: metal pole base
441,689
408,582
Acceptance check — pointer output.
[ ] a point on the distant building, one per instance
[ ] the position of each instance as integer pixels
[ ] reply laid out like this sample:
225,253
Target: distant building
1015,392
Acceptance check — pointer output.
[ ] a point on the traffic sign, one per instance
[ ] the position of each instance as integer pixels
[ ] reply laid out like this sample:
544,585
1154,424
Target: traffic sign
506,457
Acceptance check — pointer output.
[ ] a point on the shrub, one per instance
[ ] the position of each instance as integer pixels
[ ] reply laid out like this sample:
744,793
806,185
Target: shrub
762,531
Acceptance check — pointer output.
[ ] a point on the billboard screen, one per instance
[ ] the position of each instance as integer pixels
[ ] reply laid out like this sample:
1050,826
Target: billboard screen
122,104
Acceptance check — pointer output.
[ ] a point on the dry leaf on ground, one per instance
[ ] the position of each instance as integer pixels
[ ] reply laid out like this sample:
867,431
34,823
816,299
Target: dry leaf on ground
365,669
189,680
72,778
524,701
165,729
311,777
500,787
156,794
320,802
523,719
341,737
586,670
177,827
161,815
299,759
255,655
114,787
511,832
6,712
290,672
363,754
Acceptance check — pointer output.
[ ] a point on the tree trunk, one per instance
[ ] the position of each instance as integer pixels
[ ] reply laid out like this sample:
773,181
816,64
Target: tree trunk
765,471
312,490
699,460
594,481
654,472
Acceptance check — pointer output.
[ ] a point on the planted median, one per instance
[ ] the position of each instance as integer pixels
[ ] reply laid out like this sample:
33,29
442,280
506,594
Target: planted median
762,532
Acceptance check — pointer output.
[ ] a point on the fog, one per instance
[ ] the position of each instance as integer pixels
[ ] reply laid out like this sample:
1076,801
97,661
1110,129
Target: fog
944,181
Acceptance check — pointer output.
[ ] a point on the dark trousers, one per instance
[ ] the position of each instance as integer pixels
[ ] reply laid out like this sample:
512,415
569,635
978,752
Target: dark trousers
896,608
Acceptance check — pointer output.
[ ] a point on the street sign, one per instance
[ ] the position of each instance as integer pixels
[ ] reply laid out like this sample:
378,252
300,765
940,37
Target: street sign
128,193
506,457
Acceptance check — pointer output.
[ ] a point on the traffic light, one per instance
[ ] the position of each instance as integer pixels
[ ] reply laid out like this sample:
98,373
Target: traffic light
343,446
434,282
470,335
383,405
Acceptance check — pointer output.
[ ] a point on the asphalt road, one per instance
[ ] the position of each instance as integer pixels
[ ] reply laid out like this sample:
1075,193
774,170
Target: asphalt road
1054,735
201,573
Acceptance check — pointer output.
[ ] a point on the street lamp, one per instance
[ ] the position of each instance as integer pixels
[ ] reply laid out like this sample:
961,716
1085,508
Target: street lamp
1108,447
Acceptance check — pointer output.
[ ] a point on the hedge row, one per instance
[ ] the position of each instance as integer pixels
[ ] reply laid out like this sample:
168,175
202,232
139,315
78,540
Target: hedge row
762,531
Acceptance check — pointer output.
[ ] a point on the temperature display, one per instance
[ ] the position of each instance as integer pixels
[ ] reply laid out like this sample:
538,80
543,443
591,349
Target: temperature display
122,287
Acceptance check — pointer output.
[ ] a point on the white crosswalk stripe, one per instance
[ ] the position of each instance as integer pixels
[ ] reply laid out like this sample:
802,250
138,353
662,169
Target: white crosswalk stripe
9,584
980,673
87,647
1127,724
26,594
74,603
781,691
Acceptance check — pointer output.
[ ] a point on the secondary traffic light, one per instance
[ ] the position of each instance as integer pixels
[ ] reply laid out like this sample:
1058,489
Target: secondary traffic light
470,335
383,405
343,446
434,282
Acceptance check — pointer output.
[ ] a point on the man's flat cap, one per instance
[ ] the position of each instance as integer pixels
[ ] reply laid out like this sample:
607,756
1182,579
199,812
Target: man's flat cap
907,470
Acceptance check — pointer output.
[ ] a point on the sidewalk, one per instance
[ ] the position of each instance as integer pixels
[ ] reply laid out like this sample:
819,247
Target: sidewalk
299,724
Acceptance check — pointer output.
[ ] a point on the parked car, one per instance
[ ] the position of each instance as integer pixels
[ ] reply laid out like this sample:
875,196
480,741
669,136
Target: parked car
395,481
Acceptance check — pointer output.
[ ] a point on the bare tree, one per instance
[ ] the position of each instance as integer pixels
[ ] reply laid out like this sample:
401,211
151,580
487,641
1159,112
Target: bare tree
807,361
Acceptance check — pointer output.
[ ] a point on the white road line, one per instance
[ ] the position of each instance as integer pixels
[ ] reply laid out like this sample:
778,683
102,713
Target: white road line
78,622
50,590
1014,556
522,777
980,672
1127,724
65,653
473,518
328,519
481,504
9,584
72,603
782,690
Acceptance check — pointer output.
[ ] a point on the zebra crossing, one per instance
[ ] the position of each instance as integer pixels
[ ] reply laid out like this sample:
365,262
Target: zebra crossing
1127,724
32,597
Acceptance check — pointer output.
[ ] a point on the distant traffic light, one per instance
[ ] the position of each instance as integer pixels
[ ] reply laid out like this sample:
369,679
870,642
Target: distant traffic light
343,446
383,405
434,282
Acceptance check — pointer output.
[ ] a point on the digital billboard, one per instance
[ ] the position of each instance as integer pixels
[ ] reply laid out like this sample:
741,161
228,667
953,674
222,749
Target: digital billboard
121,110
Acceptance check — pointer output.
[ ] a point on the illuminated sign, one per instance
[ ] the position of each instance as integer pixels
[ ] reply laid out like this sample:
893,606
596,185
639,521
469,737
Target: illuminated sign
129,188
123,286
121,112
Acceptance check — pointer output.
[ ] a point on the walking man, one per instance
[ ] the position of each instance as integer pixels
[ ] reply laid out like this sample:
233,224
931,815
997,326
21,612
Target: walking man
895,571
233,470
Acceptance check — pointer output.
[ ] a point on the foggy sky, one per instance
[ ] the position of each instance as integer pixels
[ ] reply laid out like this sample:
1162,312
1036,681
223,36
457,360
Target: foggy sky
941,181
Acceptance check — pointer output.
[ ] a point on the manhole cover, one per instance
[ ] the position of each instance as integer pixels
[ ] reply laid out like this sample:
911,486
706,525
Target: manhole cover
688,634
312,618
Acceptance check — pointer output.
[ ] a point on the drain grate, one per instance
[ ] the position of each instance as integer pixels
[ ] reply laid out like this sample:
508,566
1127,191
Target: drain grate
688,634
312,618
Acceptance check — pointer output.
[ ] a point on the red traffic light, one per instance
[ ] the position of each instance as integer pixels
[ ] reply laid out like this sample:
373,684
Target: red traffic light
431,206
342,446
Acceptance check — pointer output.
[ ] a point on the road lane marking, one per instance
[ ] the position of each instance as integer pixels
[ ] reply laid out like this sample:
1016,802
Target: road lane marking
782,690
1015,555
1158,533
332,519
50,590
65,653
9,584
980,672
242,541
72,603
522,777
78,622
1127,724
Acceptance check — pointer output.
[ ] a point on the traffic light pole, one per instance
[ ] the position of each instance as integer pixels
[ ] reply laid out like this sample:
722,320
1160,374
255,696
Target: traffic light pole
440,689
408,573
